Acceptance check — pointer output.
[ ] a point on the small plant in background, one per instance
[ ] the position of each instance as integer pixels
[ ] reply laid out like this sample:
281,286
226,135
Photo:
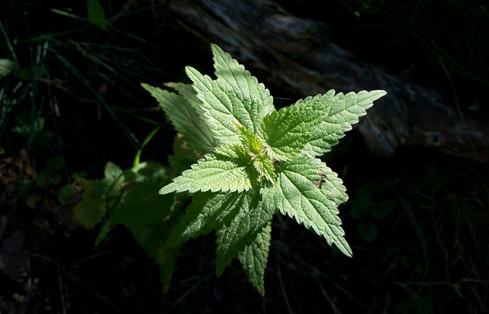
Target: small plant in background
256,161
130,198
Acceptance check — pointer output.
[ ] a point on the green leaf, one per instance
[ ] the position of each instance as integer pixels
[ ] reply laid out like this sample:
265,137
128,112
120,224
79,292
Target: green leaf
28,124
265,167
340,112
144,171
137,203
297,196
104,231
64,194
6,66
223,107
256,97
90,211
188,92
109,186
112,171
331,186
242,231
208,211
287,131
96,14
254,258
227,169
143,206
185,119
249,140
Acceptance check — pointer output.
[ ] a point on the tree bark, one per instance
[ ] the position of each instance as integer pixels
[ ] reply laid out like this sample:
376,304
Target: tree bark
298,55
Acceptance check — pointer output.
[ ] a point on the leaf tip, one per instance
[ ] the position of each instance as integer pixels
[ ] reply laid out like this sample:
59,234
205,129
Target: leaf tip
215,48
219,270
172,187
376,94
147,87
190,70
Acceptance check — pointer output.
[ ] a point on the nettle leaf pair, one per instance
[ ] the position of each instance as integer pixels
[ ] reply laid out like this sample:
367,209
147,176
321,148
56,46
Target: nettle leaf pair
258,161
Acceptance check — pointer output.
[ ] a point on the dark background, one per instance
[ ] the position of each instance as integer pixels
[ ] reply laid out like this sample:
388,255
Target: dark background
417,222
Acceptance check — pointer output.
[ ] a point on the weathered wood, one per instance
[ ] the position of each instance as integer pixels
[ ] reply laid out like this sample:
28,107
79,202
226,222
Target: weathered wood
297,55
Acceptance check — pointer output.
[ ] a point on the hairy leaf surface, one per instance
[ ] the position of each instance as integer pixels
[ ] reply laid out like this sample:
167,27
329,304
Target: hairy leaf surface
227,169
298,197
208,211
249,140
287,131
223,107
256,97
241,232
341,111
185,119
332,186
254,258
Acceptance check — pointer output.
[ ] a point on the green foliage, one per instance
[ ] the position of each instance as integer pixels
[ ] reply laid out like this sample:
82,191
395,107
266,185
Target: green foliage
130,198
96,14
258,161
6,67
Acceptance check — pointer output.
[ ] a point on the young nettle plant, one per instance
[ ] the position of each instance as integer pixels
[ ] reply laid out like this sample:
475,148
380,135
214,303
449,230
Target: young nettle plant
258,161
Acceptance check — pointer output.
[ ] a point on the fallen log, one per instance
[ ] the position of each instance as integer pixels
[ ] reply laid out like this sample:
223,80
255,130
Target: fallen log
298,55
